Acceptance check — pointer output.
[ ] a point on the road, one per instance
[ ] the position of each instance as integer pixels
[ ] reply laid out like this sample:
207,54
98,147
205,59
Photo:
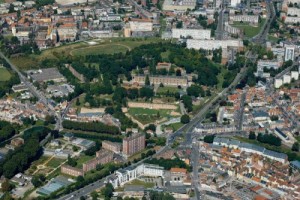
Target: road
262,37
195,164
35,92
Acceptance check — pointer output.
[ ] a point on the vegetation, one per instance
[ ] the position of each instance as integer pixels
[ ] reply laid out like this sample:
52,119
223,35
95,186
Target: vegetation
4,74
209,138
269,139
7,130
185,119
169,163
98,127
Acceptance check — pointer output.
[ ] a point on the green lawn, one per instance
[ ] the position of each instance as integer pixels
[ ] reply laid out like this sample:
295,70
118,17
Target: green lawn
55,162
174,126
101,49
145,115
167,89
4,74
249,31
82,159
108,45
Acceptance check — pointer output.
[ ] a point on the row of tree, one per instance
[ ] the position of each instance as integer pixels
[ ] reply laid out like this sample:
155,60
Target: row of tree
7,130
98,127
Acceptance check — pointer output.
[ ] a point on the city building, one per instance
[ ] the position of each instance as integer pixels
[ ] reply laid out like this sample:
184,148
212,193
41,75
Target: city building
269,64
253,19
102,157
16,142
72,171
191,33
112,146
250,148
278,83
178,176
286,79
133,144
179,5
214,44
289,53
44,75
234,3
157,80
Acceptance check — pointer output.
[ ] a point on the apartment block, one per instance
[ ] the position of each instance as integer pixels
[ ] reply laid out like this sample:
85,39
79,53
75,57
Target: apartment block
193,33
112,146
133,144
102,157
72,171
156,80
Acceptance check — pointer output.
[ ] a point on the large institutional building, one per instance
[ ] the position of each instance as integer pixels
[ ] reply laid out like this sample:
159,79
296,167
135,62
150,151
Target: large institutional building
193,33
214,44
156,80
179,5
133,144
102,157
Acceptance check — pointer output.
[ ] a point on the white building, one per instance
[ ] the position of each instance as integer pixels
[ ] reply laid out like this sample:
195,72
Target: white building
193,33
128,174
295,75
289,53
179,5
214,44
269,64
253,19
234,3
293,12
292,20
278,83
141,25
286,79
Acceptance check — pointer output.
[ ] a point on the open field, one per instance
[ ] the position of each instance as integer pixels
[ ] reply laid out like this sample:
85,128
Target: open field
249,31
174,126
165,90
145,115
82,159
104,46
55,162
4,74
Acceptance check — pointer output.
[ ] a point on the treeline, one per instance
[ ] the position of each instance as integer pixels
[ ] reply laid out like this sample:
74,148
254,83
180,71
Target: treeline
20,159
5,87
98,127
269,139
169,163
7,130
98,137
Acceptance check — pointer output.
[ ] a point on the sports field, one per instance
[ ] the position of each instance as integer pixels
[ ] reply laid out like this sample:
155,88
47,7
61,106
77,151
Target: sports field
4,74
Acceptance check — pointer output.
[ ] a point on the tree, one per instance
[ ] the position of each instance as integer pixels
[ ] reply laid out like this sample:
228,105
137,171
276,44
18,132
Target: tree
50,119
187,102
178,72
147,80
94,195
209,138
295,146
6,186
108,190
185,119
195,90
109,110
252,136
71,161
37,180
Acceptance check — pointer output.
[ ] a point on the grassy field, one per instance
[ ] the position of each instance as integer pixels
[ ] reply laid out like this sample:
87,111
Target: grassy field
164,90
4,74
249,31
141,183
174,126
106,46
82,159
55,162
145,115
